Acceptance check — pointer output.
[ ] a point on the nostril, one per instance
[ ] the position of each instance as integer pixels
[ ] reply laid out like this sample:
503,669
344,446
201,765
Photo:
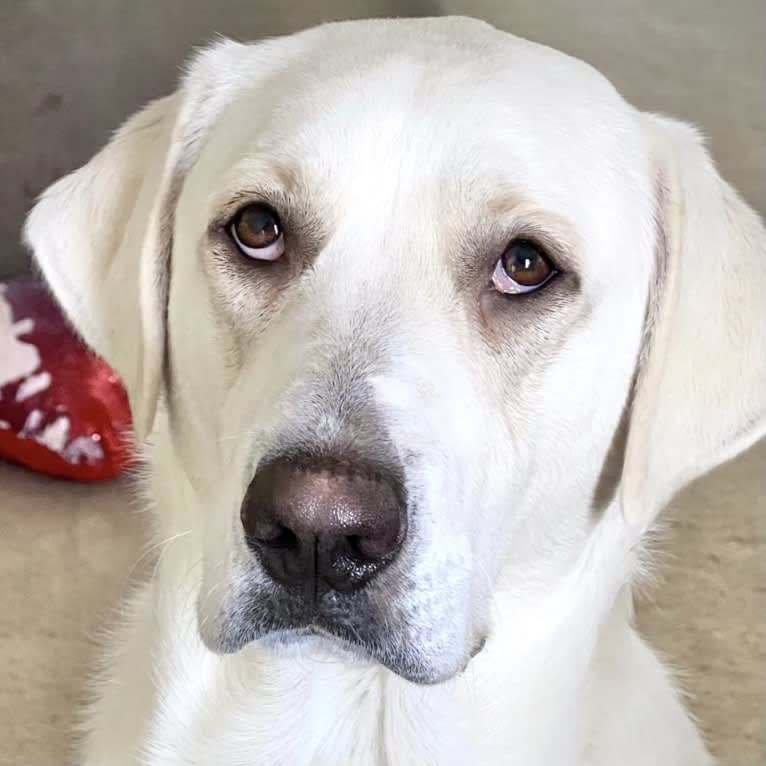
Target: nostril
369,548
284,539
356,546
276,536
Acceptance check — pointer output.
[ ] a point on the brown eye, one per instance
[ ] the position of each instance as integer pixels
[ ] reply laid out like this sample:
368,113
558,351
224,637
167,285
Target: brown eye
522,268
257,233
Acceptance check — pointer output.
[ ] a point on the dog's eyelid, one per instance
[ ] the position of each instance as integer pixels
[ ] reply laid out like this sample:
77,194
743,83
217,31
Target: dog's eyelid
228,208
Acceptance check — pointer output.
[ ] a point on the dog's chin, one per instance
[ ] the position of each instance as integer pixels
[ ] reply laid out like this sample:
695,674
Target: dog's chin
307,642
322,645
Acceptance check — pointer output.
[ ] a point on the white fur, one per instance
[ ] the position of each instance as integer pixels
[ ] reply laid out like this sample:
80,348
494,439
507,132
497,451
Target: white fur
407,136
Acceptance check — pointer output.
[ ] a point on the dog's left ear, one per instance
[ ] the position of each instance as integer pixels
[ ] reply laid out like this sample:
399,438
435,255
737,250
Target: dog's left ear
700,395
102,235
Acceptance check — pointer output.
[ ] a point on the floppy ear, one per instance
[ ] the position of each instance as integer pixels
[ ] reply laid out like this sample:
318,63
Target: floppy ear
96,236
102,235
701,387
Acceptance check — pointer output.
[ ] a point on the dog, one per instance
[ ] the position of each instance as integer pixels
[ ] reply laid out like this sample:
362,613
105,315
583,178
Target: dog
422,326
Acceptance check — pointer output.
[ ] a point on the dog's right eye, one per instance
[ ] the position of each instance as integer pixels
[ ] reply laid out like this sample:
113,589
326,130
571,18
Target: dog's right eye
257,233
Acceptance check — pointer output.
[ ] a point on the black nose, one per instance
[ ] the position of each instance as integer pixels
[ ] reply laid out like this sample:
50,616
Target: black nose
324,523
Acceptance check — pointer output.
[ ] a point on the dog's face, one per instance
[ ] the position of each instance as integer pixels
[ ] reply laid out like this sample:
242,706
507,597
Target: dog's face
378,329
395,280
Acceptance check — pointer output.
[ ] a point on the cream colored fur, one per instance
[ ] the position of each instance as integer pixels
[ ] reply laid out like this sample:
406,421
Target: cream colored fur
410,142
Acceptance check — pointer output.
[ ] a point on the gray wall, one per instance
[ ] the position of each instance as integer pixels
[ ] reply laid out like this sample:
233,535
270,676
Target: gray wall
71,71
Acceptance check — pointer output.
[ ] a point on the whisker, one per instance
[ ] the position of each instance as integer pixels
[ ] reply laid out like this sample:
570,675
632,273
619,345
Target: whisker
151,548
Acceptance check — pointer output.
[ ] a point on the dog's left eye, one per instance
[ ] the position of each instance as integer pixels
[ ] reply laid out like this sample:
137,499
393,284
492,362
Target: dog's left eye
522,268
257,232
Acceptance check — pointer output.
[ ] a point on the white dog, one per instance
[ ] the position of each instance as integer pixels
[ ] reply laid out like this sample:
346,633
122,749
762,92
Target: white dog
424,325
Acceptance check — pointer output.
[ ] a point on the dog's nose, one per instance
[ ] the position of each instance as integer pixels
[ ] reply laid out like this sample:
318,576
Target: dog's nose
324,524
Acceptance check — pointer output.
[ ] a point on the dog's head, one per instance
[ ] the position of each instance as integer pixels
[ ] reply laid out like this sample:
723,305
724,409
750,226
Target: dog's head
421,300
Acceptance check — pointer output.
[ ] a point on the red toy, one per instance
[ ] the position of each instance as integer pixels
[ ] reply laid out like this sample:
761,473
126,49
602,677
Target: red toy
63,410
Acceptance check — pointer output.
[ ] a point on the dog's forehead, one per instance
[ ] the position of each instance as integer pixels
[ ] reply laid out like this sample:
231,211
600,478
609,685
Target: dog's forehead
438,98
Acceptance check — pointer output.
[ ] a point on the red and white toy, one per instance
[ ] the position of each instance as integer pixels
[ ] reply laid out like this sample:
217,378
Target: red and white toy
63,410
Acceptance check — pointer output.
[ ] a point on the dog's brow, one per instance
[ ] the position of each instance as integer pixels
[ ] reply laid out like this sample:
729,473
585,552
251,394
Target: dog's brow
270,181
487,216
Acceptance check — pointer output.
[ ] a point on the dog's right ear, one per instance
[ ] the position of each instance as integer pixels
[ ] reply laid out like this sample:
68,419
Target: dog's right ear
103,235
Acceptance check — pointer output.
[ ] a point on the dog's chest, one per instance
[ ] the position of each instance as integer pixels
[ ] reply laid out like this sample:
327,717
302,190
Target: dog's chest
303,713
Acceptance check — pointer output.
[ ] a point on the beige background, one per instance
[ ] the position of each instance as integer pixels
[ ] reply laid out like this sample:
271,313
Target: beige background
71,71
